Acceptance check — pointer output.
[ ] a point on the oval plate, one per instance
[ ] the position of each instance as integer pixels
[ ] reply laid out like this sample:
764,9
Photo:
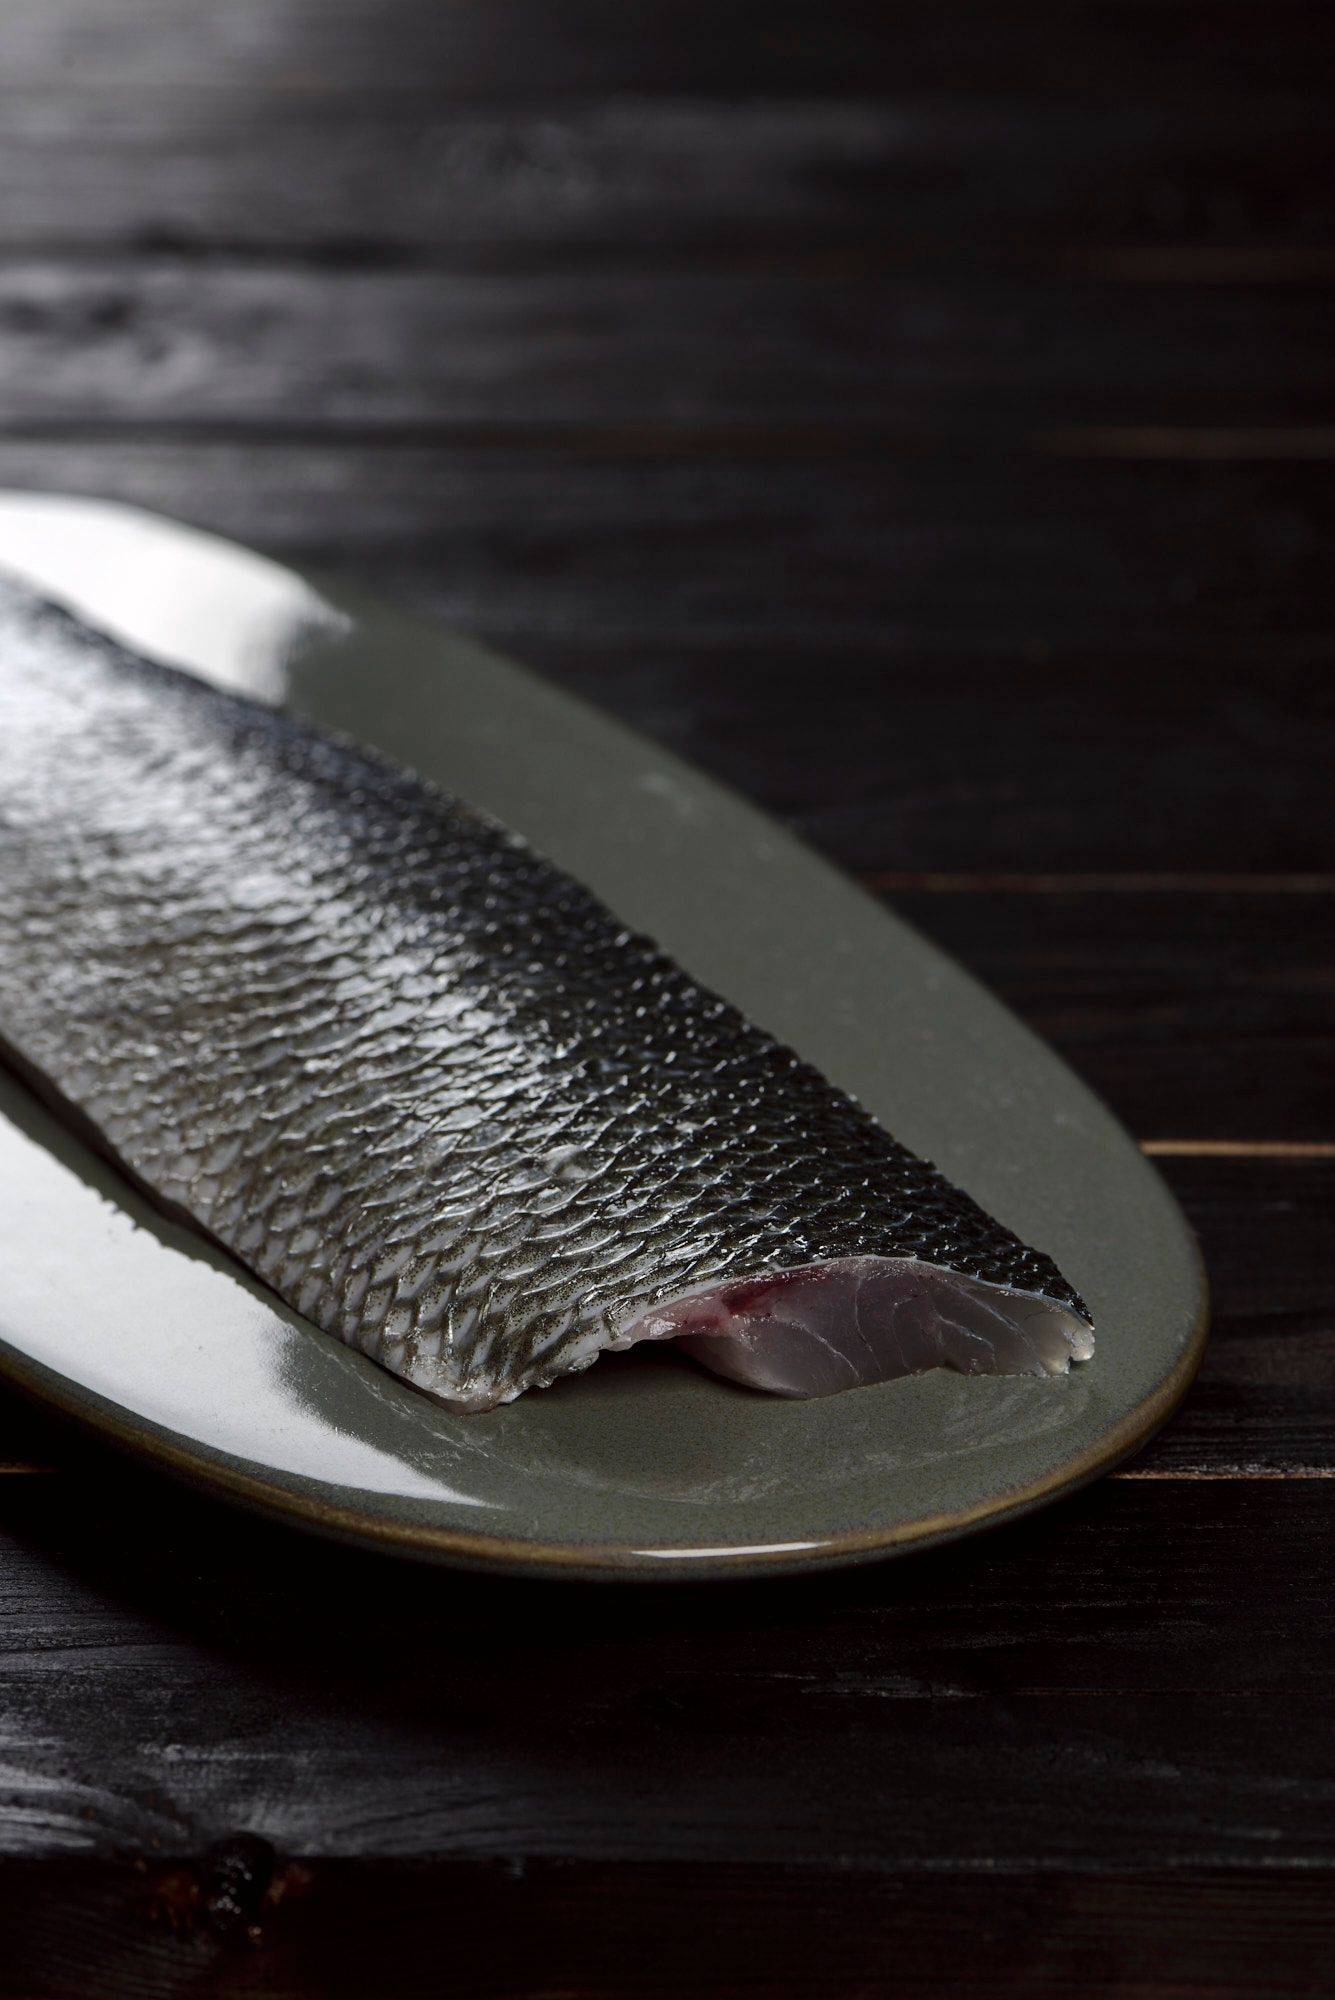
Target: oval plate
645,1465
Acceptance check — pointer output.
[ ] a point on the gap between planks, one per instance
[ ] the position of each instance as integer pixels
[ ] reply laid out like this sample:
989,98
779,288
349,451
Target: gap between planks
1128,882
1235,1472
1205,264
678,442
1238,1149
1211,442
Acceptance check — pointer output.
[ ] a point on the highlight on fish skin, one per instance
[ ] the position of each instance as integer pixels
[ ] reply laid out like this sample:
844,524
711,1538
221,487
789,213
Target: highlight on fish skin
425,1085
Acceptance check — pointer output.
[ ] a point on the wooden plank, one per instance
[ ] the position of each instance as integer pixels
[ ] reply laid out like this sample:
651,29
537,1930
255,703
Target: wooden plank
1264,1402
1232,182
982,753
1157,997
1007,654
249,346
1264,1228
936,563
170,1673
517,48
246,1922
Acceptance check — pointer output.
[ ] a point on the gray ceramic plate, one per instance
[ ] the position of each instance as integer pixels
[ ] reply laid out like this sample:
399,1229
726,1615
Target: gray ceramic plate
644,1465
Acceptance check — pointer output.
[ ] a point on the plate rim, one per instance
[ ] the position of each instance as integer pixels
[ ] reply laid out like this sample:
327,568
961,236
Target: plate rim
511,1555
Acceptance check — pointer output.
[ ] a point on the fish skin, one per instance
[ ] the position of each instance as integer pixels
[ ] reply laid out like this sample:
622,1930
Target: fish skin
417,1079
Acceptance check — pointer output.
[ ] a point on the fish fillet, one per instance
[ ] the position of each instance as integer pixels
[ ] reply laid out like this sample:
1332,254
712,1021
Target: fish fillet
425,1085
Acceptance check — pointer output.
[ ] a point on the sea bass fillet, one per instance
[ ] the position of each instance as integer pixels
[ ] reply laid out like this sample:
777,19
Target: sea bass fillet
426,1086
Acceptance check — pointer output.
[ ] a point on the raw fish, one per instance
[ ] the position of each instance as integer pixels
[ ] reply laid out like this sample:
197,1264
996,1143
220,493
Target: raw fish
425,1085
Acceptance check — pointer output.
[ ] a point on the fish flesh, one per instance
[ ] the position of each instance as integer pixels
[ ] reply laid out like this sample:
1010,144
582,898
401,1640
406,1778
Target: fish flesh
425,1085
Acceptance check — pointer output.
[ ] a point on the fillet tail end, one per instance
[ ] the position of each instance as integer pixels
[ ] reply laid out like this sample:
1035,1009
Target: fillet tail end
853,1321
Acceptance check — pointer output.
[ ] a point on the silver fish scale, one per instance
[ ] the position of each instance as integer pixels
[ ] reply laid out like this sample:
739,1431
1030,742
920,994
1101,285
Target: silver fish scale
418,1080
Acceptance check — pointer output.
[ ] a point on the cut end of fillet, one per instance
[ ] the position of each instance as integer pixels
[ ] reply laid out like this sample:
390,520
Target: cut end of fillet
857,1320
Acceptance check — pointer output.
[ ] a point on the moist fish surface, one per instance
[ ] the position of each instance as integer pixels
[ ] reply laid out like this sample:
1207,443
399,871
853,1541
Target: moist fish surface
425,1085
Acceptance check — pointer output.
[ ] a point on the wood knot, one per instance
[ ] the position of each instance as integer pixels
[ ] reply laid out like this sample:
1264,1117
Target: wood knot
228,1891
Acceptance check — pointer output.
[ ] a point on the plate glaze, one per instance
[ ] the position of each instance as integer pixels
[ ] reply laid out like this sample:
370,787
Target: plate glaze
644,1465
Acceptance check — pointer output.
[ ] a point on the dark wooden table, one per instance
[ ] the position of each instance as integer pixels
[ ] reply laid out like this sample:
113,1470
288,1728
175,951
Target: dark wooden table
921,416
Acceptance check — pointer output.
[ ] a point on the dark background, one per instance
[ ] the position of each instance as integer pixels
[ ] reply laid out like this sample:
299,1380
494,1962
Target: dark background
920,415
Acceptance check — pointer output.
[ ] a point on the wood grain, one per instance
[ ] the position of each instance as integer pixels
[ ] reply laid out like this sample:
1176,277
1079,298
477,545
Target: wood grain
245,1922
517,48
1230,185
605,543
1129,1704
251,346
966,714
1155,997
